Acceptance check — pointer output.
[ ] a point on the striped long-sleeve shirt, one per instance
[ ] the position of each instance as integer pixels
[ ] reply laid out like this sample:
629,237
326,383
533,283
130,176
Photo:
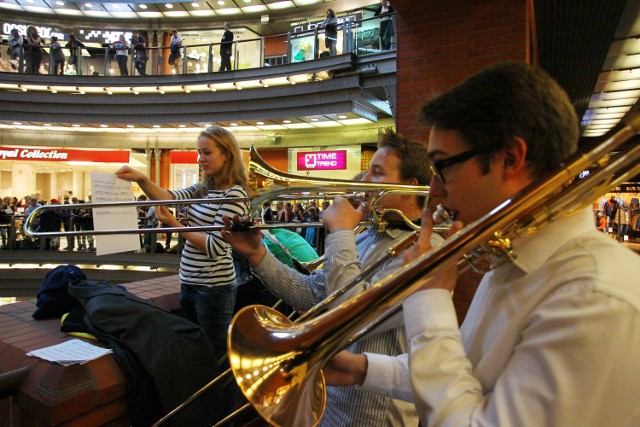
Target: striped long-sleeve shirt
345,258
214,268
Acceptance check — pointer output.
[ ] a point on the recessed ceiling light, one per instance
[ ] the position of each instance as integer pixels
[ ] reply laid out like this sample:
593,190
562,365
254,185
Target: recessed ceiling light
221,2
88,5
234,124
259,123
156,126
31,1
286,121
182,126
75,126
131,126
46,124
143,6
247,1
314,120
195,4
60,3
342,116
168,5
104,126
17,123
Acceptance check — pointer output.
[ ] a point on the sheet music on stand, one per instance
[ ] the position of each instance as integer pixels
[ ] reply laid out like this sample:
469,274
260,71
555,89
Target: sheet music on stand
70,352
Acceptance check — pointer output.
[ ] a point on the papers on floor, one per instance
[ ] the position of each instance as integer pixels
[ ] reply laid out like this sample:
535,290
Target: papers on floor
70,352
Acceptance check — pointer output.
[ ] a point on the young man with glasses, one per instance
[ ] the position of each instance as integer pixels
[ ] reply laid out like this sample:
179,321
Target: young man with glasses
550,339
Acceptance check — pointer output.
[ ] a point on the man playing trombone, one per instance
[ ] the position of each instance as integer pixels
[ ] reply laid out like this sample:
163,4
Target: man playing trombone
397,160
551,338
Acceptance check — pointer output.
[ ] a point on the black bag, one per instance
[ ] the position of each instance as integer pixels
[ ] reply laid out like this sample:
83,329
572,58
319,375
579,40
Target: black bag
53,298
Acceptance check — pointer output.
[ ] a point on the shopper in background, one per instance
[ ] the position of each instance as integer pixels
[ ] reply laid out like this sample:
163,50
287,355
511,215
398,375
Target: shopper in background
330,25
175,47
34,44
140,52
74,45
122,56
16,51
55,52
386,23
226,47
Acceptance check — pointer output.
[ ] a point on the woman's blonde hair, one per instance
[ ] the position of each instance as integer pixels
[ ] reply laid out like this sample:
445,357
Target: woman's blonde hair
233,169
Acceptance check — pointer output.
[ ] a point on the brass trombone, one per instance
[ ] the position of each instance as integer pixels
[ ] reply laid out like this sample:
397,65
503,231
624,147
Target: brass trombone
275,185
277,365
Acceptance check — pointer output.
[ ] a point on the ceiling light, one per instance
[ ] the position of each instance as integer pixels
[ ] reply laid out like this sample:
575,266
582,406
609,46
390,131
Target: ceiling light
182,126
75,126
31,1
88,5
247,1
46,124
17,123
195,4
286,121
314,119
116,5
221,2
168,5
259,123
60,3
156,126
342,116
131,126
233,124
104,126
143,6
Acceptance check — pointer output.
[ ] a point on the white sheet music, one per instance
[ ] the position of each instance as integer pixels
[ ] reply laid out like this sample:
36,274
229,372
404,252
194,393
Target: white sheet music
106,187
70,352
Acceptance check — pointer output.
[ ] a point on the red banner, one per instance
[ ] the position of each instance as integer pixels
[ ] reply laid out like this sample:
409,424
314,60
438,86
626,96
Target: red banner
184,157
63,155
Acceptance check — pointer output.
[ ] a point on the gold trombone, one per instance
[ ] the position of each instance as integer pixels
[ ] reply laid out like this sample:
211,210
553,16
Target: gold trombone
267,184
277,365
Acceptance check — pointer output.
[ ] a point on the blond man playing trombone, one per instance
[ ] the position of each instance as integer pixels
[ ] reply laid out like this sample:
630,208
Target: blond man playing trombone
399,161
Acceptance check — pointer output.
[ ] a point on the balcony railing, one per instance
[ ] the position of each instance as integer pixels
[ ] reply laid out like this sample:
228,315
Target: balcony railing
356,36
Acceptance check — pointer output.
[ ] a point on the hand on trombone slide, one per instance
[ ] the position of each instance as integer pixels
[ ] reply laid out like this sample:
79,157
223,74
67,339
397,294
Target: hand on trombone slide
245,240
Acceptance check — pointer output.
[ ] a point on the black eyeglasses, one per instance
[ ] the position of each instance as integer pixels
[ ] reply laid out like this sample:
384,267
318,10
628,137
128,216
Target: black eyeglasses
437,167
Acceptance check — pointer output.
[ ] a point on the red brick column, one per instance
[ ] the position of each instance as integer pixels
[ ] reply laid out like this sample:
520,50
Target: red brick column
442,42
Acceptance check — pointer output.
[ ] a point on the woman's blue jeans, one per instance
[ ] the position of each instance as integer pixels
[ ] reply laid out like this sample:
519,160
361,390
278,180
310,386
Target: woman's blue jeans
212,309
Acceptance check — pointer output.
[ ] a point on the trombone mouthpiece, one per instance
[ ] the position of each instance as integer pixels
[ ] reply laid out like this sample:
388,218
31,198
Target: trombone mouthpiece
441,216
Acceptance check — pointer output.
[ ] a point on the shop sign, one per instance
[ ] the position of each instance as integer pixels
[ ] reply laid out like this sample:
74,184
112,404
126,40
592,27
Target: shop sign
307,28
322,160
61,155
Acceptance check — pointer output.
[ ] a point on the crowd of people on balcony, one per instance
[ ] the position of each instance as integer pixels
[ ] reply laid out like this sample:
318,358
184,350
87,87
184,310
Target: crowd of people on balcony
25,52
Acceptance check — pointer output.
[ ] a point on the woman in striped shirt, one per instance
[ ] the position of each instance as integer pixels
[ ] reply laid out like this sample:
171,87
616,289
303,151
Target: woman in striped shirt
207,275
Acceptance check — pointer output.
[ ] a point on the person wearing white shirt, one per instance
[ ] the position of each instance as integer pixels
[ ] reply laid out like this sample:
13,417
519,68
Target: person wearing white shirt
551,339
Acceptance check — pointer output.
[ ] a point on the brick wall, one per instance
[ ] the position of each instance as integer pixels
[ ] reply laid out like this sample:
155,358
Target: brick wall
442,42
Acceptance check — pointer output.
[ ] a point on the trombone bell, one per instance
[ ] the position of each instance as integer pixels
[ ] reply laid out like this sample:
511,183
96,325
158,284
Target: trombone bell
284,385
